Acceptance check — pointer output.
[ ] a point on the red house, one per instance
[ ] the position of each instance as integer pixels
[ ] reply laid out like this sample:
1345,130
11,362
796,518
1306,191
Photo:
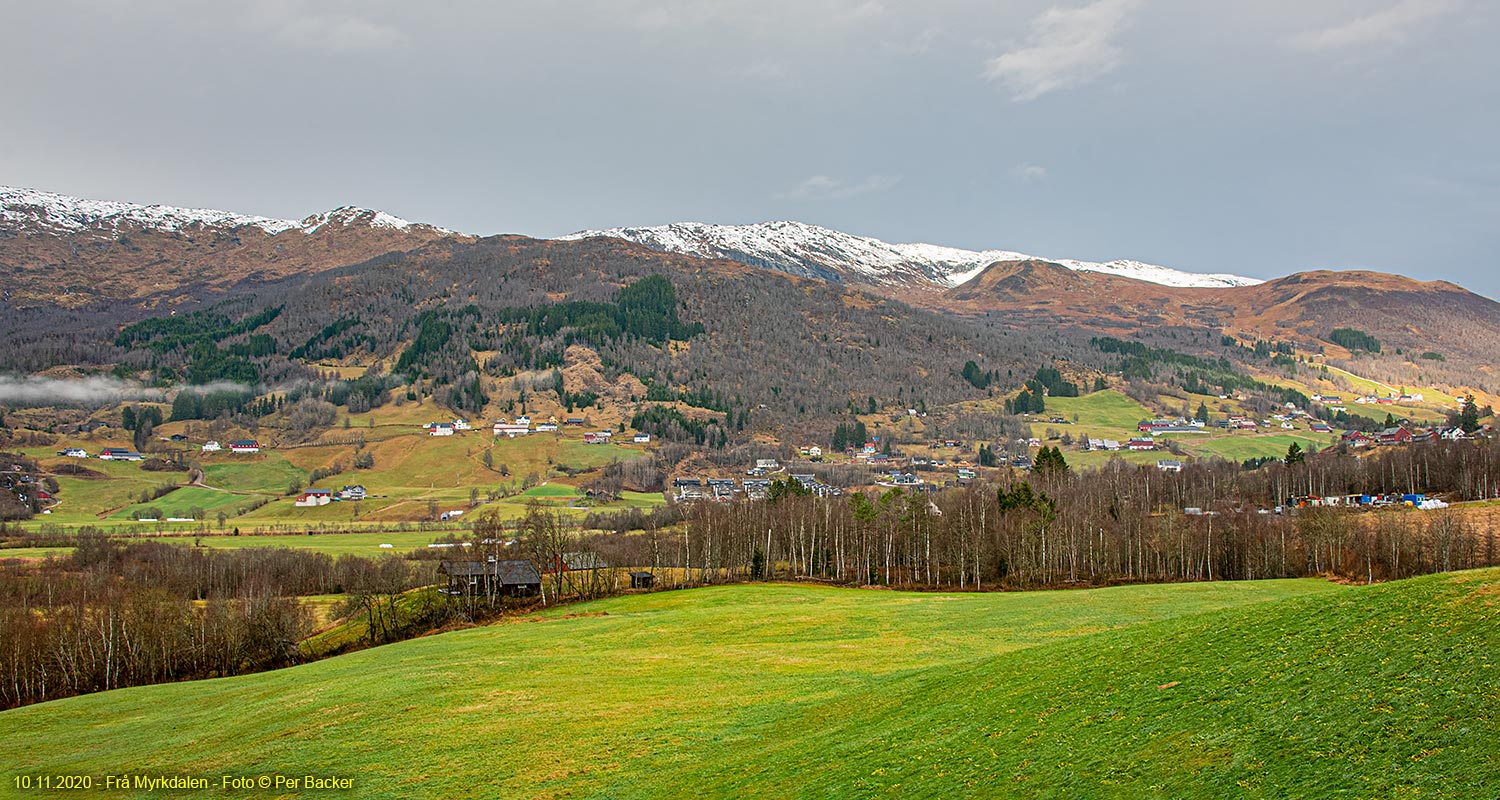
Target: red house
1393,436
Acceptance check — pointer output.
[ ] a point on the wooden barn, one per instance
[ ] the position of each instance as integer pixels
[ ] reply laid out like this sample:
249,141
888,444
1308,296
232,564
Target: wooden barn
497,578
642,580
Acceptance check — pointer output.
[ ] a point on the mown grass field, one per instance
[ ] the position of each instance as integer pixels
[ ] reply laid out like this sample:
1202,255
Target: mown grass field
181,501
1106,409
1260,445
1111,415
1262,690
357,543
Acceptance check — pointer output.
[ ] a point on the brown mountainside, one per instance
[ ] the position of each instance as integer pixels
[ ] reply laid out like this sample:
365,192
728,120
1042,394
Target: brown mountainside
1304,307
126,259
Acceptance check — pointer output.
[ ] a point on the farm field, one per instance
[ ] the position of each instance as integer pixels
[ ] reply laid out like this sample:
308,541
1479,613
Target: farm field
358,543
1105,409
33,552
1241,447
1111,415
1257,689
181,501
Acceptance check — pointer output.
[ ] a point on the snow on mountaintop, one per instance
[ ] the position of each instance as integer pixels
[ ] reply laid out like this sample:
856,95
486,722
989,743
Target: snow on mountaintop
65,214
809,250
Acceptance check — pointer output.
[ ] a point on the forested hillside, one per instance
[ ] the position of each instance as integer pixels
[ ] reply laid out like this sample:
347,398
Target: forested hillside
753,340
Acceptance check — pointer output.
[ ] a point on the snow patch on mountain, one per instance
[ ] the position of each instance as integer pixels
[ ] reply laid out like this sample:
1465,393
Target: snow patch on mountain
813,251
30,208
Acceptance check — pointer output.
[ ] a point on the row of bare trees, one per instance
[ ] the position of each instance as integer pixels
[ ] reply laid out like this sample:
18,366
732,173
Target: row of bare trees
120,614
986,537
1120,523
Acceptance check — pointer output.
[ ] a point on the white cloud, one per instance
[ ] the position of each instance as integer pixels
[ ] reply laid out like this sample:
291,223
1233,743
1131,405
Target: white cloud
762,70
97,390
1391,26
1067,47
824,186
775,18
327,25
1026,173
339,34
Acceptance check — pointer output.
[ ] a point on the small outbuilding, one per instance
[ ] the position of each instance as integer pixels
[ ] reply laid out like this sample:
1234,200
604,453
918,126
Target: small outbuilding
642,580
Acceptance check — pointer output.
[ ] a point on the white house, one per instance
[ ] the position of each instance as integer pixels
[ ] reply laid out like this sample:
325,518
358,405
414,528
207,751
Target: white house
1169,465
523,420
76,452
641,438
511,429
546,427
211,447
441,429
462,425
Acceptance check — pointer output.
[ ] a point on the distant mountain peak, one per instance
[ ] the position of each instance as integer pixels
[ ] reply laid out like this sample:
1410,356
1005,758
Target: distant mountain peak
812,251
60,213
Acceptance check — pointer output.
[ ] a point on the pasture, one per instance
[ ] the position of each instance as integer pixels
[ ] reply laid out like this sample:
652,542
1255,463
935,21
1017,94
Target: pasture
1254,689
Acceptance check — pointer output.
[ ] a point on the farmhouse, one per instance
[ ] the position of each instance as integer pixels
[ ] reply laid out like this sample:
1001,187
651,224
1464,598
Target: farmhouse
1169,465
440,429
574,421
521,420
641,438
546,427
211,447
314,497
75,452
462,425
492,578
355,492
1357,439
244,446
1394,436
511,430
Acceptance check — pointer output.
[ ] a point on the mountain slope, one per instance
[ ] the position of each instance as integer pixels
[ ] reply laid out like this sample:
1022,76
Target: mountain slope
1306,307
70,251
811,251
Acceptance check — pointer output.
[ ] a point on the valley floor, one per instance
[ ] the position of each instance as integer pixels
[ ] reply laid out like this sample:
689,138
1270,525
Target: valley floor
1236,689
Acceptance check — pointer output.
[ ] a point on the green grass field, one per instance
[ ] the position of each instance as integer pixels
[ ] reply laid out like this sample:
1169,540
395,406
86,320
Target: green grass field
1260,690
1108,409
359,543
181,501
265,473
1240,447
34,552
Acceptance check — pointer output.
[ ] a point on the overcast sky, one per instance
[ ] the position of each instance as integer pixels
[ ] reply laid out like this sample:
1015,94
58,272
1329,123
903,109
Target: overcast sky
1257,138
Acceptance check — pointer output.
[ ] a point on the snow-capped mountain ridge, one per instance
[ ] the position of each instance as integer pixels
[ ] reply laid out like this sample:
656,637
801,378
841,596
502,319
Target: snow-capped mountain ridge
21,207
809,250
